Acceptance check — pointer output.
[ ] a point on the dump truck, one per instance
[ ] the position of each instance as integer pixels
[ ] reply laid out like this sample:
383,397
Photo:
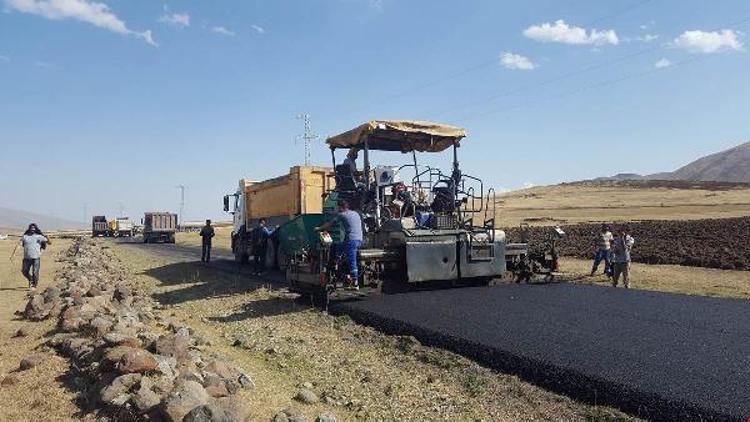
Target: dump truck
159,227
99,226
277,200
120,226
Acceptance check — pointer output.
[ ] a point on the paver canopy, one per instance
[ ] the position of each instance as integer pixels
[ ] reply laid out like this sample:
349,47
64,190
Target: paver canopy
400,135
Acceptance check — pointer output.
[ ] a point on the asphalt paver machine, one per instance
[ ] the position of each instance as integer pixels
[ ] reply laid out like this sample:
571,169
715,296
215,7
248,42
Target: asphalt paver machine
421,225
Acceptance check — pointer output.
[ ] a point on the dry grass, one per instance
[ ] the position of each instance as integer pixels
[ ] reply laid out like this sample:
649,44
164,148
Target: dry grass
221,242
365,374
40,393
577,203
668,278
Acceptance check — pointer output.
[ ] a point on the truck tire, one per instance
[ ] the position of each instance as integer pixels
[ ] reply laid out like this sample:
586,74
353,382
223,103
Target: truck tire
171,238
270,259
320,298
282,259
145,238
240,251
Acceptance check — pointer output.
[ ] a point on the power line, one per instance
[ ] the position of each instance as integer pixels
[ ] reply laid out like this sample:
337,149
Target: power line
585,88
558,78
575,73
487,63
619,12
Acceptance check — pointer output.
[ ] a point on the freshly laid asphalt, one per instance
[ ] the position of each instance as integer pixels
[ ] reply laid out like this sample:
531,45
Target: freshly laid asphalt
655,355
659,356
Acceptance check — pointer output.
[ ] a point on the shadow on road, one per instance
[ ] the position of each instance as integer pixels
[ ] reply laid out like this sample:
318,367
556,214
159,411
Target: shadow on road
265,308
201,281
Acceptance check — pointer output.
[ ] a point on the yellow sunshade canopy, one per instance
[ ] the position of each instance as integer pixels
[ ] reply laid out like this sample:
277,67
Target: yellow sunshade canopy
399,135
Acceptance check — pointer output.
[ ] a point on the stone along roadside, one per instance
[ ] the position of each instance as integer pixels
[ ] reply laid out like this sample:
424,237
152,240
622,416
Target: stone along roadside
127,361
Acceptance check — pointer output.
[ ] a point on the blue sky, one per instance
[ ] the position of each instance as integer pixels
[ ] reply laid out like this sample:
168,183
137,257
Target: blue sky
104,102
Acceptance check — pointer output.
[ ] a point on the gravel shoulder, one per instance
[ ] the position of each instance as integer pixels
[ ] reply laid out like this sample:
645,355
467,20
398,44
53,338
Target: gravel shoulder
355,371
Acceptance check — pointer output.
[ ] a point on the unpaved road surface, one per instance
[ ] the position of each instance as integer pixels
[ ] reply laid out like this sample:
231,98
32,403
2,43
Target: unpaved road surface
220,260
655,355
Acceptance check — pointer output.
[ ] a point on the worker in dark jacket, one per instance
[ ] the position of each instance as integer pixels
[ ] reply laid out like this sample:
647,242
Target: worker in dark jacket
260,237
207,233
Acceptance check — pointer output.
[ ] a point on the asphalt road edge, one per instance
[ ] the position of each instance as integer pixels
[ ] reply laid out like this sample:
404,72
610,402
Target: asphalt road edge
579,386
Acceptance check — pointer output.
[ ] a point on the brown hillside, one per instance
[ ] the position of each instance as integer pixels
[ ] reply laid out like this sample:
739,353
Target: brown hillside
732,165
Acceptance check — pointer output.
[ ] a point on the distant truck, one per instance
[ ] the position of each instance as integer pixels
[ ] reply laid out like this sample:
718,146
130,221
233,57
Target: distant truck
120,227
99,226
159,227
278,200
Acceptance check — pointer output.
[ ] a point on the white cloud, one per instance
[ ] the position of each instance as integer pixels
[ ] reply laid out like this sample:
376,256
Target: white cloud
258,29
45,65
648,38
662,63
4,59
222,30
97,14
178,20
376,5
708,42
516,61
561,32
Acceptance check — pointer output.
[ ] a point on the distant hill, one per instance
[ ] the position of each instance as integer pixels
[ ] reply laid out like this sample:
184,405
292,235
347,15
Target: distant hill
17,219
732,165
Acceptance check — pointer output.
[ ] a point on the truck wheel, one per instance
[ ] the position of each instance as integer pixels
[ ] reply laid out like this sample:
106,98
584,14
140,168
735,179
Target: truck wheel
145,238
282,259
171,238
320,298
270,258
240,255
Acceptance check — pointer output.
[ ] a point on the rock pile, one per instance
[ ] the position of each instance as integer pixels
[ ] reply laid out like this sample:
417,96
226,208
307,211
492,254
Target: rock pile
136,366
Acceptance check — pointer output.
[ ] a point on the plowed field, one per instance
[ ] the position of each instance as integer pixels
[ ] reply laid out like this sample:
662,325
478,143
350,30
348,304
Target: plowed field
715,243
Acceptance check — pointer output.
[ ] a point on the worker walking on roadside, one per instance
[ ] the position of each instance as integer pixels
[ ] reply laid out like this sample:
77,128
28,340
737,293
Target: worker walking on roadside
33,241
259,238
621,246
352,223
207,233
603,245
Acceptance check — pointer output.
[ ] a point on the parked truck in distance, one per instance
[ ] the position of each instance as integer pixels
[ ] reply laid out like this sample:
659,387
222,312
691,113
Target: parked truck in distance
99,226
278,200
121,226
159,227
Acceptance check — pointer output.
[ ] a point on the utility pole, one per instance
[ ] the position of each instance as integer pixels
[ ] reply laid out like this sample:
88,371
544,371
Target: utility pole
121,208
308,137
182,203
85,212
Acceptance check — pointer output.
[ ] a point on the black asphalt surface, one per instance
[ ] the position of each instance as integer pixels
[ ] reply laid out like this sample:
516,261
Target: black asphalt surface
656,355
660,356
